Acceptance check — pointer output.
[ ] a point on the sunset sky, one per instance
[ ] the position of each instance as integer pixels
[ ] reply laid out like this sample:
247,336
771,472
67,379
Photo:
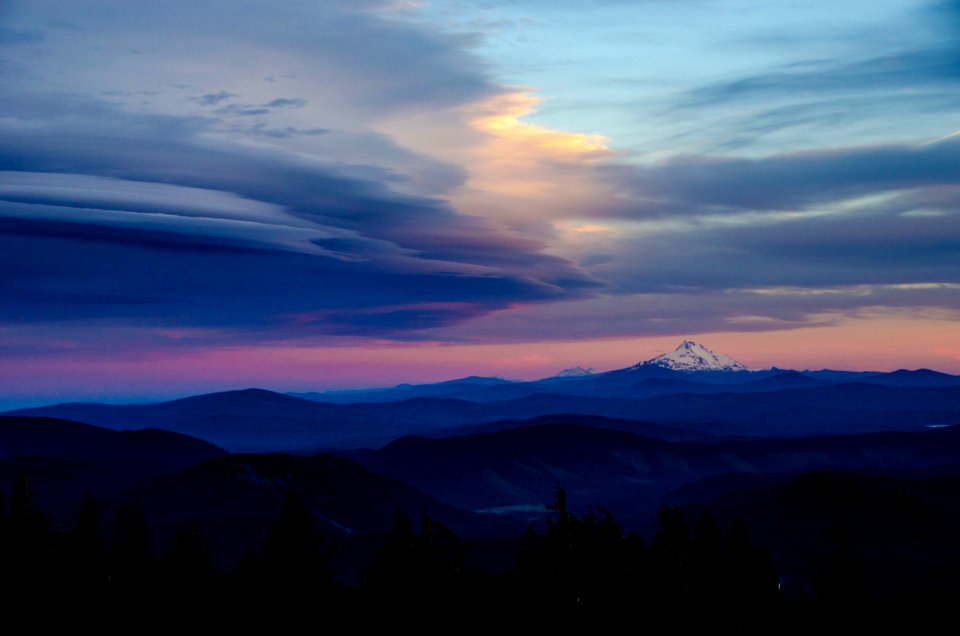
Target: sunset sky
304,195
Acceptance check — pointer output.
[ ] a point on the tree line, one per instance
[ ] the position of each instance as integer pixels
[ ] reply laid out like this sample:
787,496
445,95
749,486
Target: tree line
573,568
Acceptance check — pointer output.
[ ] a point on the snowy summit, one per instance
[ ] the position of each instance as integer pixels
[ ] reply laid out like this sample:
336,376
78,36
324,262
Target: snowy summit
575,372
690,356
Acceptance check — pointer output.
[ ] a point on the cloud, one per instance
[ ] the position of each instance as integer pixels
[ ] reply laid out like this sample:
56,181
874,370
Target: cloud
885,74
684,312
841,99
242,111
381,183
145,219
803,252
283,102
213,99
246,110
285,133
698,184
519,173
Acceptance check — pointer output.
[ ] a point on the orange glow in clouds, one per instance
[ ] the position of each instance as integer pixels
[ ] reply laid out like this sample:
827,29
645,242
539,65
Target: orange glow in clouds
520,172
503,120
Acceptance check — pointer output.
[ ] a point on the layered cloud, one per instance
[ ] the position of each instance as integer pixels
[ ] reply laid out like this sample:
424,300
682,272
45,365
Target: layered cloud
696,184
350,172
243,240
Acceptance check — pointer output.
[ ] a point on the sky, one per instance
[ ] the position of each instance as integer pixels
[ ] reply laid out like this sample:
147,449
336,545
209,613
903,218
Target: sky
304,195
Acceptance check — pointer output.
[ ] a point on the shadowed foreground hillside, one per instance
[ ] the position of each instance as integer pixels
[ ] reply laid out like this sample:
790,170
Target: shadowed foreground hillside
788,531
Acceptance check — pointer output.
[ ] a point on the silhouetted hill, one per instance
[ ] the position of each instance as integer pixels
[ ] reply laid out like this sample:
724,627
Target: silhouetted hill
832,375
263,421
235,499
466,388
917,378
538,404
782,381
623,472
831,409
667,386
645,429
62,459
841,408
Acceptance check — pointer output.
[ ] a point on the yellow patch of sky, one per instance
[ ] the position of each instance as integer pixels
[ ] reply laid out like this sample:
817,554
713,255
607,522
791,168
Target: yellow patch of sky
533,178
504,119
591,228
529,170
517,172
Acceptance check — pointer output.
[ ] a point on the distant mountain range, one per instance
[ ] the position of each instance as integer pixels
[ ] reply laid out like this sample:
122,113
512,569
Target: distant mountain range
691,391
690,368
785,449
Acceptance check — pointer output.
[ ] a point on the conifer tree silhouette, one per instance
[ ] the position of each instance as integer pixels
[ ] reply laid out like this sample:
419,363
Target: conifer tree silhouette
28,540
393,569
188,564
841,580
84,557
707,562
132,564
671,552
295,559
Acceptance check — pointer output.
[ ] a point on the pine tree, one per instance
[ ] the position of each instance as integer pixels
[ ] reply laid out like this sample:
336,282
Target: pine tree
842,577
394,565
132,564
752,581
707,561
295,558
188,564
671,551
84,559
28,540
4,543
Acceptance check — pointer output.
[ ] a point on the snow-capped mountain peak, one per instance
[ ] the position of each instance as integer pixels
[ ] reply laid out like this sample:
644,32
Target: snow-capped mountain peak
690,356
574,372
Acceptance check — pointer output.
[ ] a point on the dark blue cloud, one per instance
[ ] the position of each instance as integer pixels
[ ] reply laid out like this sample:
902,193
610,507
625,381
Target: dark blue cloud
70,272
242,111
181,231
285,102
817,252
287,132
679,312
846,230
213,99
246,110
260,208
693,184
